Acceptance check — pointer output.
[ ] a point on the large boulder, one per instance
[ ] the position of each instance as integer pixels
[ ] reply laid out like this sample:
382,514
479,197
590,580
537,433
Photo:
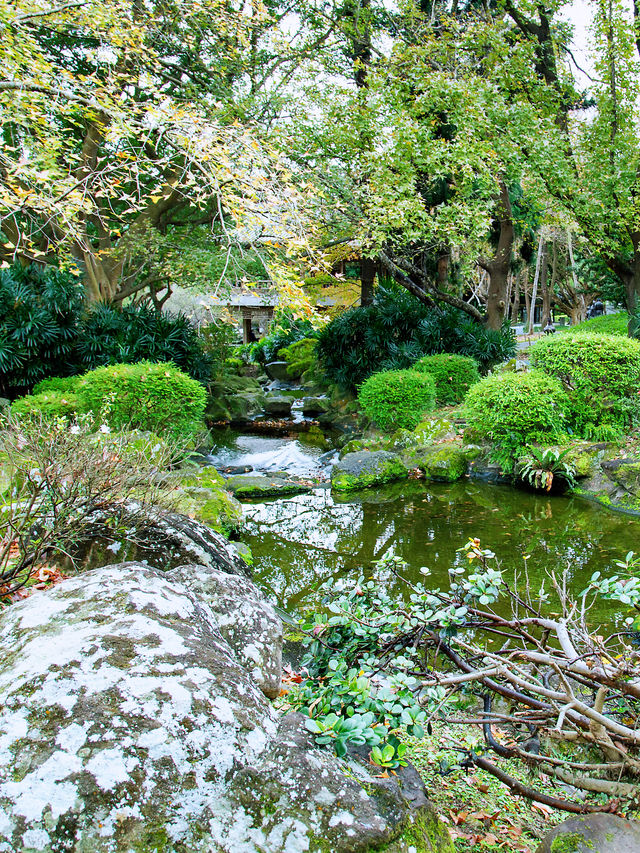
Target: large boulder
278,370
444,463
594,833
365,468
278,406
131,721
255,486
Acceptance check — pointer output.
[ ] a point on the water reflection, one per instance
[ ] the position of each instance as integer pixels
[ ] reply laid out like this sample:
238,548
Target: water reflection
301,542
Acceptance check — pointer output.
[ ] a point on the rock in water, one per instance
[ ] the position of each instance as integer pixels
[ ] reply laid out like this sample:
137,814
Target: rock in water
593,833
132,720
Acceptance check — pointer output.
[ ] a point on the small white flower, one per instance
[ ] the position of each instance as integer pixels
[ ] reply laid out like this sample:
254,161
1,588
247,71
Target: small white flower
105,429
74,430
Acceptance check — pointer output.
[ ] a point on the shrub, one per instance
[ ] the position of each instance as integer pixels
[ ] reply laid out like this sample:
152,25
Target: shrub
300,356
398,398
607,324
453,375
601,374
514,410
396,331
110,335
52,404
155,397
39,311
286,330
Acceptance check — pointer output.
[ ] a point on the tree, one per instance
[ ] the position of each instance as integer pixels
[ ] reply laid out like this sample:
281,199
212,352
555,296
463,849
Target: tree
123,120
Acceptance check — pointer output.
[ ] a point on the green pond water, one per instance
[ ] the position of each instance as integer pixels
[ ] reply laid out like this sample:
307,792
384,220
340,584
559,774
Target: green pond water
300,542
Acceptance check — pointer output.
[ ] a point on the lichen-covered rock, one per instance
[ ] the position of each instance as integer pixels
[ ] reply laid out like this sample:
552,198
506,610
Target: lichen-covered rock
246,486
443,463
366,468
313,406
244,618
235,399
202,495
278,370
594,833
435,429
129,723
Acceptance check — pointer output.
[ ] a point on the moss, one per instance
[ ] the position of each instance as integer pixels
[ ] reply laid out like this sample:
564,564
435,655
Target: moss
364,470
567,843
256,486
423,832
442,463
433,430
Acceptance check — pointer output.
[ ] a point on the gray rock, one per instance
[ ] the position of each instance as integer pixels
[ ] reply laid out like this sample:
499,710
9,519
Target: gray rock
129,723
313,406
278,406
367,468
244,618
278,370
593,833
246,486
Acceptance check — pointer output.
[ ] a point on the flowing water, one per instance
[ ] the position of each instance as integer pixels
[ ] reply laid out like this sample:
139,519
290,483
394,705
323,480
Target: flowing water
300,542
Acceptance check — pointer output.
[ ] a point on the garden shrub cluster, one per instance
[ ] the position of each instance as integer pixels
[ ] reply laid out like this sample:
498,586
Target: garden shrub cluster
398,398
45,331
601,375
396,331
144,396
514,410
300,356
286,330
453,375
606,324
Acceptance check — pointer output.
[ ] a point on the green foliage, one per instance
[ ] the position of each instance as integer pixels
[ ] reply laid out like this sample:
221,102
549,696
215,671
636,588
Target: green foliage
398,398
125,336
514,410
39,311
607,324
44,332
156,397
300,356
52,404
601,374
286,330
453,375
219,343
541,468
396,331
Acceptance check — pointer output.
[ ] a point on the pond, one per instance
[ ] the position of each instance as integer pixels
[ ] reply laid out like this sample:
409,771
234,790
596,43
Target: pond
300,542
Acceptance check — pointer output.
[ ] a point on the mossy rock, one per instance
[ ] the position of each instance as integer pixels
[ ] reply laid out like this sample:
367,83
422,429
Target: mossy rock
248,486
444,463
594,833
434,429
365,469
625,472
402,439
213,506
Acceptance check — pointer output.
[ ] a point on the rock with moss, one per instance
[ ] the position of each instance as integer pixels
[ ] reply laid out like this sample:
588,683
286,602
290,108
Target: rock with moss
132,721
248,486
435,429
401,440
202,494
444,463
279,407
314,406
365,469
234,399
594,833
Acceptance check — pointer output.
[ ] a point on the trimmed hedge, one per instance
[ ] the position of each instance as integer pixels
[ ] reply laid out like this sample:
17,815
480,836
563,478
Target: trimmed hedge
606,324
397,398
514,410
453,375
157,398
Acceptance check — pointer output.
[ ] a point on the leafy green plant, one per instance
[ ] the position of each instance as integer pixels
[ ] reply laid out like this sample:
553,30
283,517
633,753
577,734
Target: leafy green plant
284,331
156,397
453,375
396,331
606,324
515,410
598,372
397,398
300,356
39,325
542,467
54,404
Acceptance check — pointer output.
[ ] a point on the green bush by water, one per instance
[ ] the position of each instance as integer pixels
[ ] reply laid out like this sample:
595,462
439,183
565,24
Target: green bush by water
453,375
514,410
601,374
396,331
300,356
398,398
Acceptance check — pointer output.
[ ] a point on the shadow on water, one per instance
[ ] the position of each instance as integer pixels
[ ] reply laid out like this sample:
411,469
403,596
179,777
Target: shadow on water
300,542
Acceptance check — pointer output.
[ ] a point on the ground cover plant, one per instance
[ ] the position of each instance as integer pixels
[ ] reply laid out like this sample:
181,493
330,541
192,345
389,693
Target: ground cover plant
397,399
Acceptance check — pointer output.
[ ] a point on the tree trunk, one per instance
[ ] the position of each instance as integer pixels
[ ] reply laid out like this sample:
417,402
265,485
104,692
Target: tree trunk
498,267
547,286
368,268
515,305
531,315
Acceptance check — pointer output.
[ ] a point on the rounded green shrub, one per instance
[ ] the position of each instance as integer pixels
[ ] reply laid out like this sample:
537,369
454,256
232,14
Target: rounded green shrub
601,374
62,384
607,324
397,398
300,356
514,410
453,375
155,397
53,404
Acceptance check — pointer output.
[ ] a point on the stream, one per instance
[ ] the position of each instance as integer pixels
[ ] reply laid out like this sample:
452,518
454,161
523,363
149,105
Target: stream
300,542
